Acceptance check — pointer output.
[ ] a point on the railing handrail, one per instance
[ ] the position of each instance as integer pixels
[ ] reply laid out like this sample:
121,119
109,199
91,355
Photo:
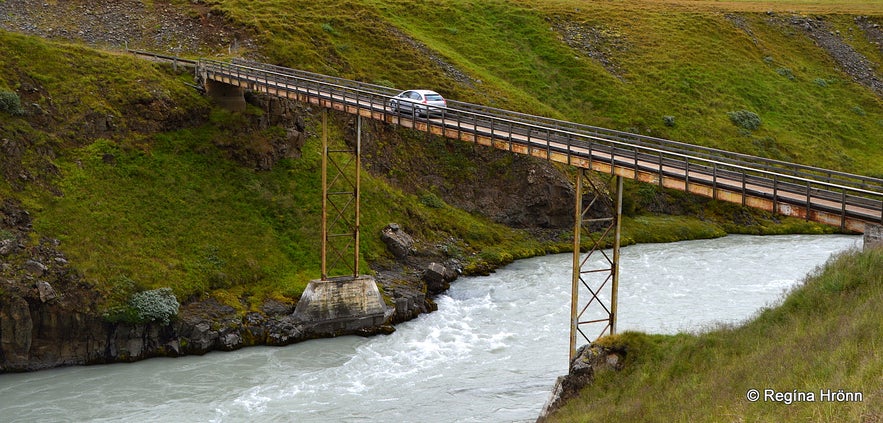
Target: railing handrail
174,59
708,151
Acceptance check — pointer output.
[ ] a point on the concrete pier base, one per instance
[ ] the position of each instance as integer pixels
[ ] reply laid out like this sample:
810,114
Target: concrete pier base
873,236
341,305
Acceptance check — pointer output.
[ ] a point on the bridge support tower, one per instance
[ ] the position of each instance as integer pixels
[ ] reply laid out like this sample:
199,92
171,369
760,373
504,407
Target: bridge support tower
595,273
351,302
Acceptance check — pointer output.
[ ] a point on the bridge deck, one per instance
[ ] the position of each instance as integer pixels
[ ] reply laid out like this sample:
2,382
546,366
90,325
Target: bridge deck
834,198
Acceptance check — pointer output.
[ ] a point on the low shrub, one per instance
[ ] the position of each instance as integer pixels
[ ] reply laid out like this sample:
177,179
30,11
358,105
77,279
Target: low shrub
432,201
10,103
156,305
745,119
786,73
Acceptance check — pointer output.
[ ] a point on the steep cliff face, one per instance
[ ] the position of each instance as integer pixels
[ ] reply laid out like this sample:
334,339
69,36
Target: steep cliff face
46,311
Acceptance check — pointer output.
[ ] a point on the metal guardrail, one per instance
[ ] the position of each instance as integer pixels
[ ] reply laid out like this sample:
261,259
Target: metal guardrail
175,60
848,196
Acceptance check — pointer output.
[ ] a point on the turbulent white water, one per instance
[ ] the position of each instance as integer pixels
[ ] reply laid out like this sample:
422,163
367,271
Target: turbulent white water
491,352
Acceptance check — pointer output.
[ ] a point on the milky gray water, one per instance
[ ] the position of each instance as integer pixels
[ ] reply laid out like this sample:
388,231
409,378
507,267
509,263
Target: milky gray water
491,352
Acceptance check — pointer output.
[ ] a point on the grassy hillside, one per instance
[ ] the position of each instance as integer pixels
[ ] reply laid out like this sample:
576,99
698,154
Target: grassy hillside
824,335
626,65
182,214
137,209
125,164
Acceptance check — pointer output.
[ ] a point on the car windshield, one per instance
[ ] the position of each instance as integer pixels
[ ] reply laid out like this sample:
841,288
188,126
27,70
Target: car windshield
433,97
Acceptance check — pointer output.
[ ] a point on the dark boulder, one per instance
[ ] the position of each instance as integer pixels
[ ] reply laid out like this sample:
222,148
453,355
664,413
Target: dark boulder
438,278
397,241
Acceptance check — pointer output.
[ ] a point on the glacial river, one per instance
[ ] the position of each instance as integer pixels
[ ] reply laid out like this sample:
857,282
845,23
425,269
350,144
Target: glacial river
491,352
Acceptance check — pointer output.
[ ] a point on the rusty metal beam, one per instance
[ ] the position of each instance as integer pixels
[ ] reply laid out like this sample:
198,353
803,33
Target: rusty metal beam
587,275
341,201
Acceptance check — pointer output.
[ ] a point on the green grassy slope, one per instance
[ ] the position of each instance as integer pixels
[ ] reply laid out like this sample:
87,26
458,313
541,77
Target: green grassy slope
694,64
183,215
141,204
140,209
824,335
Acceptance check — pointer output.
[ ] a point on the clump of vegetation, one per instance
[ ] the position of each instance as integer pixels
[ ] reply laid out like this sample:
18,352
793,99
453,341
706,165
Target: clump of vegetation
121,305
745,119
10,103
787,73
431,200
155,305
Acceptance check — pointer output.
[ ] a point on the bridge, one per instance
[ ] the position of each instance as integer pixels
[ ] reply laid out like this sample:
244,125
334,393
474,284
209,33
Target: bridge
830,197
847,201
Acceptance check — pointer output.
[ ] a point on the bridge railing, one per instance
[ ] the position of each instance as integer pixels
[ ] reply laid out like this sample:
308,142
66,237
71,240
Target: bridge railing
755,162
834,192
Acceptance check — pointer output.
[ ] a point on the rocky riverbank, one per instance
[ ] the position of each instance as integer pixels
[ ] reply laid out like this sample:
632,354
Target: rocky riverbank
48,315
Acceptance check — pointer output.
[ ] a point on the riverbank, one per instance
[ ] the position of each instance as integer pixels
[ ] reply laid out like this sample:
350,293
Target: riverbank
491,352
55,322
822,366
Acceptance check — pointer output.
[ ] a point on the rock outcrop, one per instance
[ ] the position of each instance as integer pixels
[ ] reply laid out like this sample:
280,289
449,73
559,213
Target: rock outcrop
590,359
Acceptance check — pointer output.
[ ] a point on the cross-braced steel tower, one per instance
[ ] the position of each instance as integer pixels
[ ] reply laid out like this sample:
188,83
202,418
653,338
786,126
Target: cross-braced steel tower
598,269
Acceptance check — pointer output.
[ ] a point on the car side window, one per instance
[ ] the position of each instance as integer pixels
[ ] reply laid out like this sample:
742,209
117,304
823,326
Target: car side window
415,95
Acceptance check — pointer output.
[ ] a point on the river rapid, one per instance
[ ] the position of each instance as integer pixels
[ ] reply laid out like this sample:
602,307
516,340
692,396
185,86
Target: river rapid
491,353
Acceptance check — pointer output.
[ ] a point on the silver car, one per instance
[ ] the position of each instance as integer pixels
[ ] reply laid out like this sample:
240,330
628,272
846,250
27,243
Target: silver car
420,102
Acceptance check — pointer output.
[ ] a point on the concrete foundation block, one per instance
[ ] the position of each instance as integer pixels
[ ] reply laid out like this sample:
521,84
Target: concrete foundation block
341,305
873,236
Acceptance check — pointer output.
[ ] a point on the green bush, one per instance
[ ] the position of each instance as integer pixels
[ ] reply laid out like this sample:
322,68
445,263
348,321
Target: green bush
745,119
156,305
786,73
10,103
432,201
